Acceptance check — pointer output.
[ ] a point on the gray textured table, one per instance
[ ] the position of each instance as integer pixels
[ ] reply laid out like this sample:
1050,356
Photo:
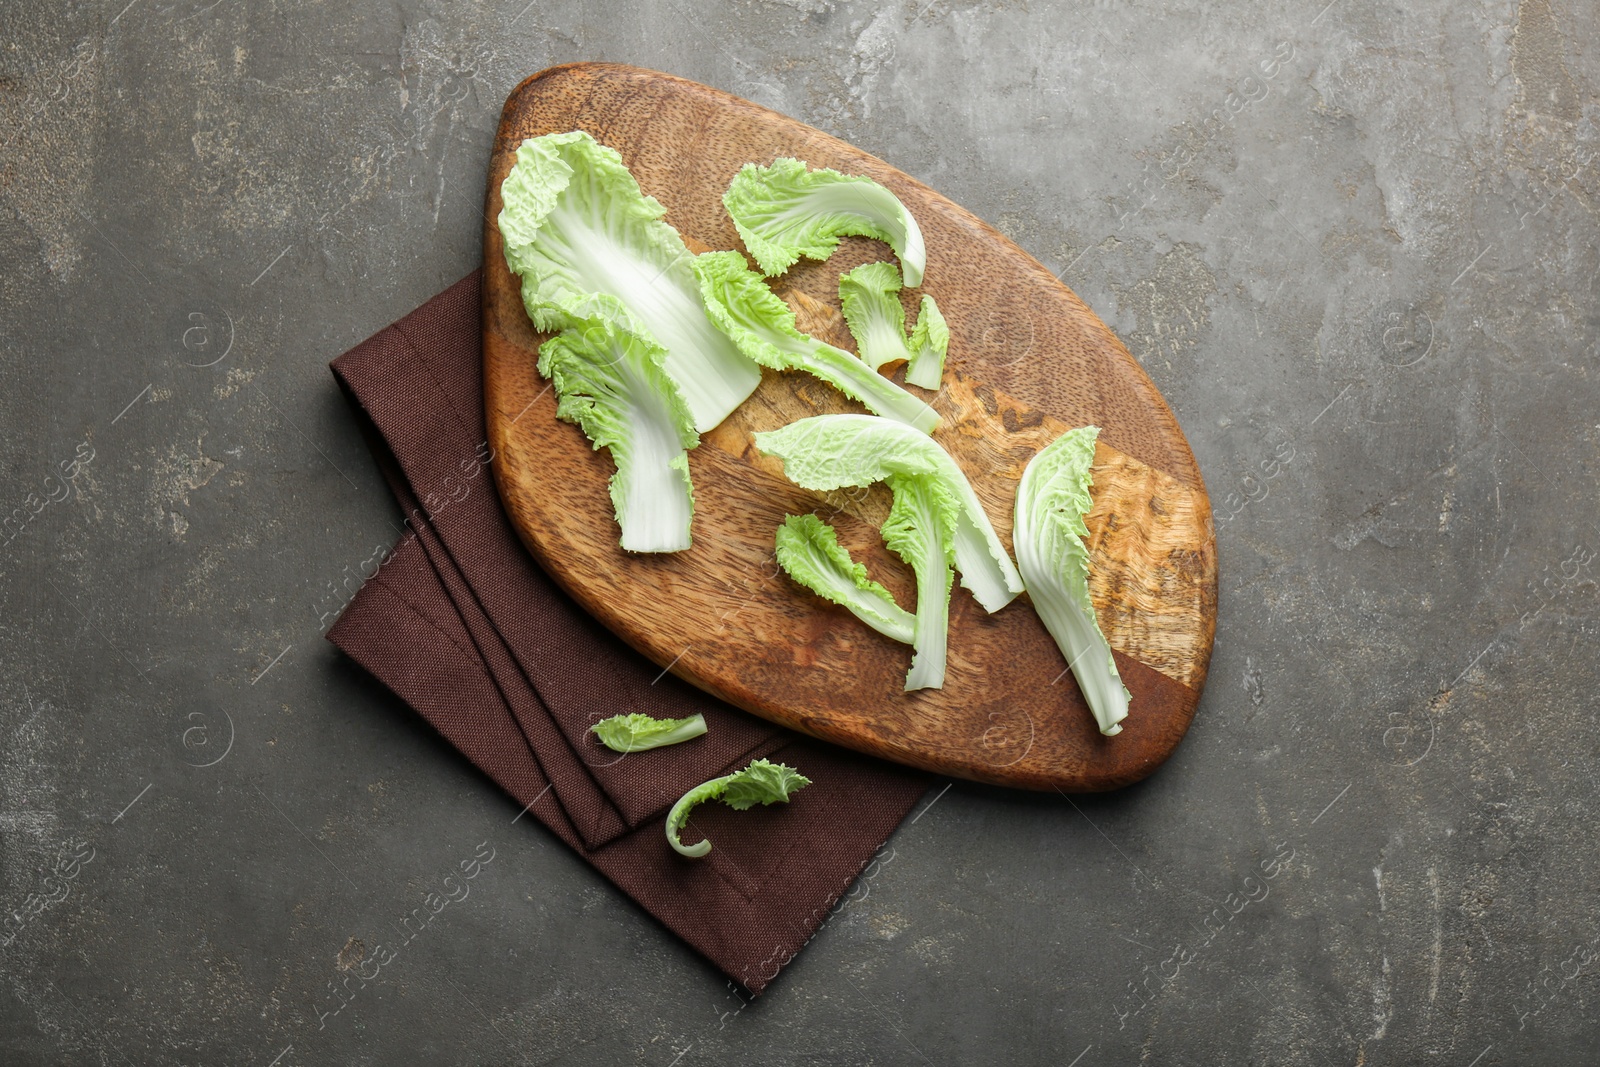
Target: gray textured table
1354,244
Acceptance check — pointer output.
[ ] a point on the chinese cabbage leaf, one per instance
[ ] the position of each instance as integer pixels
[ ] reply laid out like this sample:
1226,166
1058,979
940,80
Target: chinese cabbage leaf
869,296
784,212
762,782
930,340
827,452
588,243
741,303
639,733
1051,503
921,529
612,385
809,551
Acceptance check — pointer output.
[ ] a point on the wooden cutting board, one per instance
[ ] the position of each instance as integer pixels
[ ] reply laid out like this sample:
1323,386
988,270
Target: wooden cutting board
1027,360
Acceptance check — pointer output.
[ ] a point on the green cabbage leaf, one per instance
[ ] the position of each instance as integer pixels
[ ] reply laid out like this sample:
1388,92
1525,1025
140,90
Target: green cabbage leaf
827,452
746,309
588,243
761,782
785,211
612,385
809,552
1049,537
921,529
930,340
869,296
639,733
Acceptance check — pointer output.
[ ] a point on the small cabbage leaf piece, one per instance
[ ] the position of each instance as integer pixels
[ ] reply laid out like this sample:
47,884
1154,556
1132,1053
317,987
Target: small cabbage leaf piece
930,340
809,551
639,733
828,452
784,212
587,242
760,783
921,529
869,296
741,303
611,383
1051,503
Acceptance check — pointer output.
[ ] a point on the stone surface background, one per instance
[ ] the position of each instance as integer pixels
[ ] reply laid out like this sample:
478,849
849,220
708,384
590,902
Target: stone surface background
1354,244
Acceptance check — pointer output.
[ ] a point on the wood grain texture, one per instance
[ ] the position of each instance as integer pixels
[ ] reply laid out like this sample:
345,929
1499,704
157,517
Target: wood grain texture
1027,361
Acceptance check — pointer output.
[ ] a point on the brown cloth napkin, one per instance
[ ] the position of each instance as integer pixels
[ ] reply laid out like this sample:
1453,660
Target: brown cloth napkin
464,626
